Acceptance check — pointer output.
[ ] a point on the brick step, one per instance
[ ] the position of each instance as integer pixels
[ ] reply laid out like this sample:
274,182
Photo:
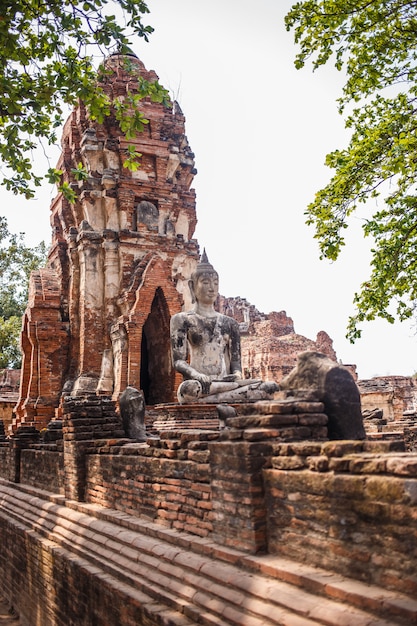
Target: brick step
208,424
187,572
196,597
148,565
315,580
155,608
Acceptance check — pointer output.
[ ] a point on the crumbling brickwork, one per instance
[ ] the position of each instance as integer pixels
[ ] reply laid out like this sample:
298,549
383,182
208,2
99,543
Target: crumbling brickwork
167,479
204,482
42,466
394,395
270,344
9,393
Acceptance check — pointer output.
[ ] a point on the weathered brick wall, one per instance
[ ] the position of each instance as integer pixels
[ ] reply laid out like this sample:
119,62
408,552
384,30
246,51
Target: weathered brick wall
172,477
410,438
206,482
167,480
42,466
85,419
9,393
7,462
350,507
6,412
272,356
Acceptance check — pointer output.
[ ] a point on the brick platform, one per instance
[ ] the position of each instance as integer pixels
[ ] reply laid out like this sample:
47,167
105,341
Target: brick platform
255,496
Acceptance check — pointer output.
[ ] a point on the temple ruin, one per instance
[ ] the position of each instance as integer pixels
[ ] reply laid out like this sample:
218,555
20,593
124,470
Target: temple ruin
237,514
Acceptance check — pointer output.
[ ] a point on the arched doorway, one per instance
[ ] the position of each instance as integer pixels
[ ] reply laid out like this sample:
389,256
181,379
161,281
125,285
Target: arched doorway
156,372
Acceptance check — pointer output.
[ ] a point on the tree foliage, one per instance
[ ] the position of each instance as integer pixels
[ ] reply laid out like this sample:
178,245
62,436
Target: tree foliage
49,54
375,43
16,263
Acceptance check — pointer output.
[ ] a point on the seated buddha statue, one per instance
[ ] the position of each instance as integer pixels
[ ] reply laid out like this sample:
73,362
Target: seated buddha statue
206,348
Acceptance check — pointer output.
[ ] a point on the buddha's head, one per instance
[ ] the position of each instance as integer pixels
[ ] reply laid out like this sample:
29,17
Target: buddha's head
204,282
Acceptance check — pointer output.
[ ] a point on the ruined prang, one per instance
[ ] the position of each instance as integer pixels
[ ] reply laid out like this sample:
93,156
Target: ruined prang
98,315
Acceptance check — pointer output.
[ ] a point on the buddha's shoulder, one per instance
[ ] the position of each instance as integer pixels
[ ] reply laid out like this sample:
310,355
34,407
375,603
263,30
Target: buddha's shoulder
183,317
226,320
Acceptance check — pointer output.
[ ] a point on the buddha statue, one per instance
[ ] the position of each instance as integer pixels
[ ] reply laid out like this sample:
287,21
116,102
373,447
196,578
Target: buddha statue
206,348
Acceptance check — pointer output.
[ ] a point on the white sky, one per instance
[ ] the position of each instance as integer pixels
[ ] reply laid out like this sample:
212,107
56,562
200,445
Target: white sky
260,131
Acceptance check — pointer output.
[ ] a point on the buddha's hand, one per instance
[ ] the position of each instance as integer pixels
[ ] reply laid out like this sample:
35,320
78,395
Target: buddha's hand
232,377
205,382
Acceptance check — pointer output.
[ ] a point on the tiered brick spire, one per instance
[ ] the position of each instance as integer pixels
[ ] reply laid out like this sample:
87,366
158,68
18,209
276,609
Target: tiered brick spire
98,315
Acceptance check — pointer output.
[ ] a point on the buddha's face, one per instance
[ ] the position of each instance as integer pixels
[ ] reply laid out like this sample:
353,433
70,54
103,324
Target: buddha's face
206,287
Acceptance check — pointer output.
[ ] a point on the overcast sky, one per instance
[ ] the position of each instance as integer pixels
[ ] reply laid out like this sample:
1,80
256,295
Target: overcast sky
260,131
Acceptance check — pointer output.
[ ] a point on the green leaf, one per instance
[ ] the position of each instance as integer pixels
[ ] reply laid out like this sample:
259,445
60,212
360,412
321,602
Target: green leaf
54,175
79,172
68,193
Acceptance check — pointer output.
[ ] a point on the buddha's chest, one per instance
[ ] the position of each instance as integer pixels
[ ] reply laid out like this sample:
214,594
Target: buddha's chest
208,331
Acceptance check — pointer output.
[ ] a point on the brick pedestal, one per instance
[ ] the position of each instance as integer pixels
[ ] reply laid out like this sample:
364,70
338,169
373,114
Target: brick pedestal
239,515
178,416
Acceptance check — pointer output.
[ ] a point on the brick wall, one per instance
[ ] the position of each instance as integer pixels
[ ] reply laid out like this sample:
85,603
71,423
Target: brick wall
7,462
6,412
167,479
350,507
43,466
393,394
206,482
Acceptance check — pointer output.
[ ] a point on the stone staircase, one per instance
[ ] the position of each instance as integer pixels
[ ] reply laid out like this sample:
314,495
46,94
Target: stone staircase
181,579
404,429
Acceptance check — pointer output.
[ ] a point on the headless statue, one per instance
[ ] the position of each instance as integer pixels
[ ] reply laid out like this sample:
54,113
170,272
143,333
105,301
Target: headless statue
206,348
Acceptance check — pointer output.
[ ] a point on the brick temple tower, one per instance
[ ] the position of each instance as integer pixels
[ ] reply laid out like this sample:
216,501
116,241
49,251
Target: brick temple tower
98,314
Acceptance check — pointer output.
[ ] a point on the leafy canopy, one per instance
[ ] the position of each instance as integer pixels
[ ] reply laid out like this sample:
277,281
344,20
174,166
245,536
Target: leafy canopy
375,42
17,261
48,60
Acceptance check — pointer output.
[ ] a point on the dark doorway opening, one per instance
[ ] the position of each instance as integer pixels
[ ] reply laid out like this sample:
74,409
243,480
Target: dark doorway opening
156,372
144,367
